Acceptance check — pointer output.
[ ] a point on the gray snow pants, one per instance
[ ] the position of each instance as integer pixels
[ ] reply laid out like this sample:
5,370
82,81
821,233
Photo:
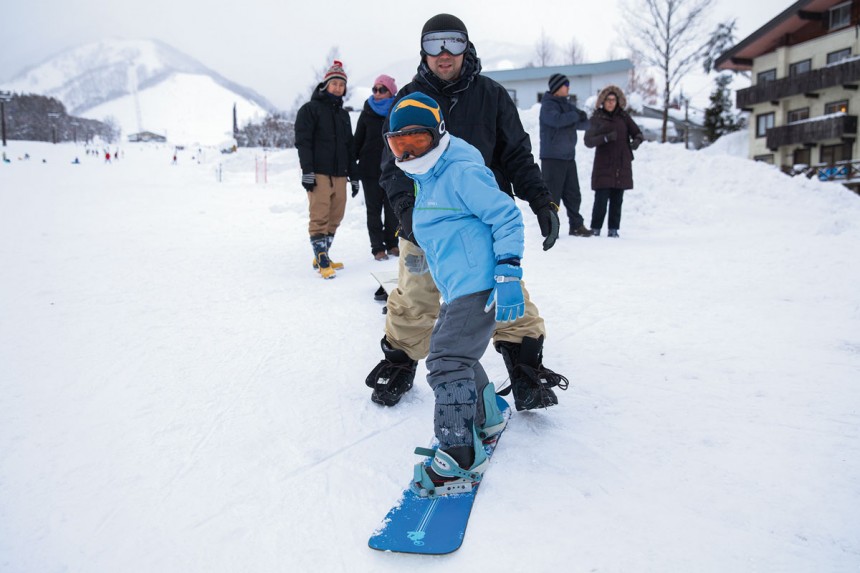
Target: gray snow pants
459,339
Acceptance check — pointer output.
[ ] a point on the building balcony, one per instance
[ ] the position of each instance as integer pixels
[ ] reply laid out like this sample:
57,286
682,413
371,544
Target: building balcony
811,131
845,74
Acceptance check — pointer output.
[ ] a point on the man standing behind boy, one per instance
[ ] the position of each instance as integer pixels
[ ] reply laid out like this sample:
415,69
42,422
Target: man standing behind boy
481,112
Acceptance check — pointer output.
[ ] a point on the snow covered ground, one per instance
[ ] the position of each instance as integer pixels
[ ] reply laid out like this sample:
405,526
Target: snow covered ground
180,392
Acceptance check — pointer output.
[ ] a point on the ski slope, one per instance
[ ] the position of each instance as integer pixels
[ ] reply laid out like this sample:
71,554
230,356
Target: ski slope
180,392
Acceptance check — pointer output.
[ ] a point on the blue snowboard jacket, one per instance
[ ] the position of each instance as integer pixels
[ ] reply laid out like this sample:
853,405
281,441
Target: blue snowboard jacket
463,222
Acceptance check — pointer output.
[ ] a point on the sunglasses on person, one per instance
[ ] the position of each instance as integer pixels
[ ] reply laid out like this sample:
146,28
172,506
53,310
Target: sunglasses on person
379,90
415,142
434,43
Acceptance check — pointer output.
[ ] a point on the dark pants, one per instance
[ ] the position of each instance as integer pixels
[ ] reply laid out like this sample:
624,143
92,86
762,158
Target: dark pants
614,197
562,181
381,220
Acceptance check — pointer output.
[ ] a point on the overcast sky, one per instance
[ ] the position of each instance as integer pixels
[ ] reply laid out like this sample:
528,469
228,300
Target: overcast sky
274,47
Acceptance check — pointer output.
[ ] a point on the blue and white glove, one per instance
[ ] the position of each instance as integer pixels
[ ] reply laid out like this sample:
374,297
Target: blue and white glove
507,295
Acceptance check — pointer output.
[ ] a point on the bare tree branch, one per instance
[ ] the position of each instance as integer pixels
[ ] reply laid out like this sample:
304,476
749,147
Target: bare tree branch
664,34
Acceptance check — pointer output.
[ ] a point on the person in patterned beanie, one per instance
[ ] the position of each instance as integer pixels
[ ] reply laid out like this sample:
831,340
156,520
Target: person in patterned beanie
327,158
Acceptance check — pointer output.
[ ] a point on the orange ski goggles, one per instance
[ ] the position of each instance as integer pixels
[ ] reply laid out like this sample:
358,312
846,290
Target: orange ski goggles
410,143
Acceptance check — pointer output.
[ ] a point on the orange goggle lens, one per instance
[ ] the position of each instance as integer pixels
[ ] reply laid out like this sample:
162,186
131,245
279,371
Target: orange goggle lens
410,143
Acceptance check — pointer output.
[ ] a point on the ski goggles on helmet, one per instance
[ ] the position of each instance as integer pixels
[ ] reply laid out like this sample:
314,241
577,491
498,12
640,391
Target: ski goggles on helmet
414,142
434,43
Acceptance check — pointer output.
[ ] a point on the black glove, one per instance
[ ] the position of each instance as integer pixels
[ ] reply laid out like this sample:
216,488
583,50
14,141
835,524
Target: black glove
354,184
583,117
547,216
611,136
637,141
309,181
406,226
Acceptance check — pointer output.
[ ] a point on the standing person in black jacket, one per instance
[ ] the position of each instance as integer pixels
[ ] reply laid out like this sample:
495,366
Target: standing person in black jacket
559,120
615,135
480,111
327,157
368,142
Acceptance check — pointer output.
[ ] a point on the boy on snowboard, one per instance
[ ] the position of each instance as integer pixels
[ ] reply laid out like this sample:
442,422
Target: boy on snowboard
473,240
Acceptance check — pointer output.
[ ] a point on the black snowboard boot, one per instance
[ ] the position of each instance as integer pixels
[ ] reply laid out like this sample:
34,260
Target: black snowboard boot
531,382
392,377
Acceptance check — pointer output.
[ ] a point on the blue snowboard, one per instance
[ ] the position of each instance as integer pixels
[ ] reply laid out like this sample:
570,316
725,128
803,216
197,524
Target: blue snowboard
430,526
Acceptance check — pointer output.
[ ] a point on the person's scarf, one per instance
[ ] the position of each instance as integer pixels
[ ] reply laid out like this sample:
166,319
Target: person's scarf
380,107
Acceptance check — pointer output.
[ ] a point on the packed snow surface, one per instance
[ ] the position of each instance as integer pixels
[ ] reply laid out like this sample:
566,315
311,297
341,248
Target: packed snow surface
181,392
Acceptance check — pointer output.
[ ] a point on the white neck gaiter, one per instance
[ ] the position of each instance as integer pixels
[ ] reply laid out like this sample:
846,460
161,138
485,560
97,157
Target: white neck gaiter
423,164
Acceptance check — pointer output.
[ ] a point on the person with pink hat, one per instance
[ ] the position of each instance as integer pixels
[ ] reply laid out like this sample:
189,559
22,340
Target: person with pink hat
381,220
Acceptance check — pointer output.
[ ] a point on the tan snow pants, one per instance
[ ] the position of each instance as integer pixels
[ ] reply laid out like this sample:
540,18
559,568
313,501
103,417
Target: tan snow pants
326,205
414,306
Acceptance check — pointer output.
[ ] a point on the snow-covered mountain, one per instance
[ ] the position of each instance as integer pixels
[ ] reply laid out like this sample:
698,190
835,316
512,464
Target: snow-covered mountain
144,84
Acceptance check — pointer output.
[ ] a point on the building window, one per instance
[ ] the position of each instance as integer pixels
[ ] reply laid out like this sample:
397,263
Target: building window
832,153
765,158
766,76
802,156
839,16
836,107
763,122
798,68
797,115
838,55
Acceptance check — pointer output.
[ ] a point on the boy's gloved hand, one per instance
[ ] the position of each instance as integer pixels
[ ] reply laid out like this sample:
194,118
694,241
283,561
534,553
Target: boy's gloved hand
507,295
354,184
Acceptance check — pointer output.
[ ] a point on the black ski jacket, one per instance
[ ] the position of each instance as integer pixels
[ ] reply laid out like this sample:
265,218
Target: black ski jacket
369,143
324,137
479,110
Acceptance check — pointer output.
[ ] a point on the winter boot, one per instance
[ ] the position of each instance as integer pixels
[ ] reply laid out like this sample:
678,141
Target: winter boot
595,231
335,265
612,233
494,422
321,260
392,377
451,471
531,382
581,231
380,295
332,264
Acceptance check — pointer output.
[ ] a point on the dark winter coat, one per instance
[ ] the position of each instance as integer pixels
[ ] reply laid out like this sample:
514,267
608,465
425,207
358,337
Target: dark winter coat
615,135
324,137
369,142
559,120
479,110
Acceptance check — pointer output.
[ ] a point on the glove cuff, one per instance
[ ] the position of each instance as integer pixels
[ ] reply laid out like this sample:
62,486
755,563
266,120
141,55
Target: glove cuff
507,271
540,203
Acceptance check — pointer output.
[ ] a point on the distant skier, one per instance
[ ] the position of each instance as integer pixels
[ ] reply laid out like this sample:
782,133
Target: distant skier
107,156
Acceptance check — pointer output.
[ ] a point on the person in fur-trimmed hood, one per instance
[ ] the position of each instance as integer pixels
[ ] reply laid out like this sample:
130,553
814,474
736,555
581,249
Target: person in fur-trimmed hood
615,135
